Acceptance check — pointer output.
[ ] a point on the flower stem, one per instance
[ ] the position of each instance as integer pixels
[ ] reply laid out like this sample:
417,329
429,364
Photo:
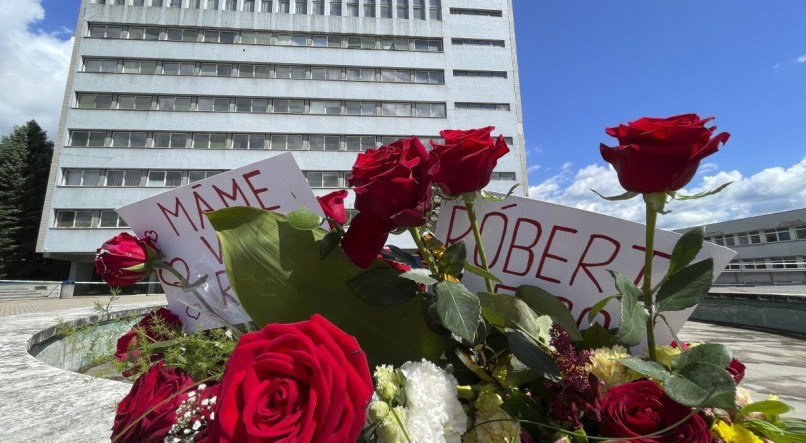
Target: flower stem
646,288
470,204
427,256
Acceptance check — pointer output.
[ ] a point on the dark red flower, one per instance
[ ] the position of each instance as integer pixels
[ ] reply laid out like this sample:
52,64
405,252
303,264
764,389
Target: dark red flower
392,190
661,154
467,159
125,259
736,369
147,413
333,206
641,408
299,382
127,343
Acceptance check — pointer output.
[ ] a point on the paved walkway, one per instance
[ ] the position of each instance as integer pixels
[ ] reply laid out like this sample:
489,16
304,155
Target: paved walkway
28,306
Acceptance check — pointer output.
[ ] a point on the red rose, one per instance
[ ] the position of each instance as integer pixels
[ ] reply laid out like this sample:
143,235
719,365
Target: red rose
124,260
392,190
147,413
299,382
467,159
126,343
333,206
641,408
736,369
661,154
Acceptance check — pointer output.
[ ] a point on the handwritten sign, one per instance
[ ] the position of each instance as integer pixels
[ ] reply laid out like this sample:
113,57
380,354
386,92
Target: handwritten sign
175,221
567,252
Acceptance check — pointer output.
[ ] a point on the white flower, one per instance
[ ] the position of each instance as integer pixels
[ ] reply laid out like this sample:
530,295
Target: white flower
433,411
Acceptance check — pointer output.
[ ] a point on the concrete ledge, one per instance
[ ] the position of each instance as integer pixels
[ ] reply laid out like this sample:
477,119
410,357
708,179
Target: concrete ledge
46,404
745,307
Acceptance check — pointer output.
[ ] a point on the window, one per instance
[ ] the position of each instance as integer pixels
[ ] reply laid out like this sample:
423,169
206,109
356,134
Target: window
335,7
509,176
129,178
178,68
397,109
231,5
395,44
249,5
427,45
136,102
219,36
74,219
484,106
111,219
324,143
399,75
209,141
496,74
352,8
88,139
100,31
800,232
284,6
359,74
430,110
95,101
175,4
301,7
182,35
129,139
254,71
318,7
140,67
359,143
477,42
81,177
435,7
326,73
176,140
285,106
467,11
216,104
101,66
775,235
194,176
369,8
432,77
256,38
160,179
286,142
386,8
361,42
248,141
326,179
255,105
265,6
138,2
196,4
216,69
325,107
158,3
174,103
402,8
418,9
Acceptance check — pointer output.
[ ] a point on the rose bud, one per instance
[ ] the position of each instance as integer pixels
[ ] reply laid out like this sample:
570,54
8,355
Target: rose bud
467,159
333,206
125,260
661,154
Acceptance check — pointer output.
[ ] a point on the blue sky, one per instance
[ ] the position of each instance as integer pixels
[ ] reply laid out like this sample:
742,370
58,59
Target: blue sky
587,64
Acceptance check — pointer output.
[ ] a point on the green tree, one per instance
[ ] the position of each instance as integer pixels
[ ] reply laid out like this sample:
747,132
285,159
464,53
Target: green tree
25,157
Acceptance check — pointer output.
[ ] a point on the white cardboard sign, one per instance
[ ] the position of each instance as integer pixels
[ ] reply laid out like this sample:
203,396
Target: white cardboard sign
567,252
175,221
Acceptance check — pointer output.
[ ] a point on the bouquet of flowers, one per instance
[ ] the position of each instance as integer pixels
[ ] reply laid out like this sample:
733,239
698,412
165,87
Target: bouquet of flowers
354,340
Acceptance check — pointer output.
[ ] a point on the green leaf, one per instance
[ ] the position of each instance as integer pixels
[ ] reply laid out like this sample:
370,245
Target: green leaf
633,313
597,308
492,197
506,311
518,374
785,430
481,272
767,407
544,303
686,287
686,249
458,309
278,277
626,196
651,369
329,242
677,196
702,385
136,268
713,353
304,220
453,259
597,337
422,276
532,355
383,287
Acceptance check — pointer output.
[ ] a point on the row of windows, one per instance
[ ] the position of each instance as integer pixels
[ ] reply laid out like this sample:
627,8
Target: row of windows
278,142
484,12
269,38
768,263
263,105
88,218
420,9
484,106
244,70
477,42
139,178
755,237
491,74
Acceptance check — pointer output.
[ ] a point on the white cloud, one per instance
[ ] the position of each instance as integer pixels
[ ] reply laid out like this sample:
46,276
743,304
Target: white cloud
801,59
532,168
771,190
33,67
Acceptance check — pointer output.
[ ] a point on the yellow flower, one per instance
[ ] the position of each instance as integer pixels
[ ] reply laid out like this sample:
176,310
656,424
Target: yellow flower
734,433
605,365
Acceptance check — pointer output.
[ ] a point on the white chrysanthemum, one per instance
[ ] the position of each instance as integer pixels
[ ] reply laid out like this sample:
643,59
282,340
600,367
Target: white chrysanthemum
433,411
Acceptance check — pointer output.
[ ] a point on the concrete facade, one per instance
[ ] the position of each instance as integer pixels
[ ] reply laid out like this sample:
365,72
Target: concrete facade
142,79
771,248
